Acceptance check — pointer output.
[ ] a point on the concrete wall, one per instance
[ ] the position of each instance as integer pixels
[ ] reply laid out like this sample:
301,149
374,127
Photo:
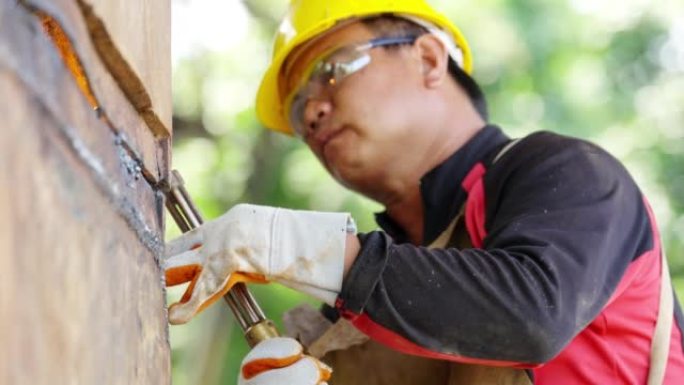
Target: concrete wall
81,290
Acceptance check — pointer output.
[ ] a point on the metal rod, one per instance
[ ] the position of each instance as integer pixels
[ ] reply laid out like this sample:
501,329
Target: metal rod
232,303
243,305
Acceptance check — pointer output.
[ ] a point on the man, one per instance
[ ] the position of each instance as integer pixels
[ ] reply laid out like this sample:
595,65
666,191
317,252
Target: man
544,256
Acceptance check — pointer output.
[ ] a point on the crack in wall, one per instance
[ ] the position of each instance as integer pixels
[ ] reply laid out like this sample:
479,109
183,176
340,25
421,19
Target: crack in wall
67,53
130,161
73,63
121,203
127,79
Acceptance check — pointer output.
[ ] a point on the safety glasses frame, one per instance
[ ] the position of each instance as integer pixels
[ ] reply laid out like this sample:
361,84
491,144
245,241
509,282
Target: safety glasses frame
328,71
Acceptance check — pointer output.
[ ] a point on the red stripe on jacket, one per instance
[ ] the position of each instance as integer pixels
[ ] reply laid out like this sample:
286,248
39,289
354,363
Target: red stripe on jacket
393,340
615,348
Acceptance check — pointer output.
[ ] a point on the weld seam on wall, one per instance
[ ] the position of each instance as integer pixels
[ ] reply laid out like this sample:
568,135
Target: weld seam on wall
100,110
123,206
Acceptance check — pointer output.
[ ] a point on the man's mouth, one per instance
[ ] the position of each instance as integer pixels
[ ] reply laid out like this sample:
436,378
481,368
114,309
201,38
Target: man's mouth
327,137
327,140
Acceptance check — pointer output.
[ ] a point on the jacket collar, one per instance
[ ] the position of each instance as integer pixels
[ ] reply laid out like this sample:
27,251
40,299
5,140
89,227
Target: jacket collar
441,189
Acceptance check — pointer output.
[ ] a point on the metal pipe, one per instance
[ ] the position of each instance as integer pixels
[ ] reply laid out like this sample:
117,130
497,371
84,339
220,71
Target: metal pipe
249,315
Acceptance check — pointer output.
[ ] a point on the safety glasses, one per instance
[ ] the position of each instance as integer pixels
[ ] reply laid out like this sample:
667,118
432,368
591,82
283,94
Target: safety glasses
325,73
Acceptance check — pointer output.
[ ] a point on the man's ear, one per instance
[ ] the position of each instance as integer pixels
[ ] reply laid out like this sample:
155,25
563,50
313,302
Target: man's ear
434,59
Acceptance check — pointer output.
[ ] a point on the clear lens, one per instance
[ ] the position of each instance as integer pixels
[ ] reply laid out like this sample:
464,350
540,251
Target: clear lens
325,73
328,71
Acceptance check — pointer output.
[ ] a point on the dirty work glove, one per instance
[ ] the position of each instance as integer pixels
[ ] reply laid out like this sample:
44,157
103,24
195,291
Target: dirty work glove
300,249
279,361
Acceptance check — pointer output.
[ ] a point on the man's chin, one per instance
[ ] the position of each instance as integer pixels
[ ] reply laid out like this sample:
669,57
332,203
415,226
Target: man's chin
353,178
337,161
344,175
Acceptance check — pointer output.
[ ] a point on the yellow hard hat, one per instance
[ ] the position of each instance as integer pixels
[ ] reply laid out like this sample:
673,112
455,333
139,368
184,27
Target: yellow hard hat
307,19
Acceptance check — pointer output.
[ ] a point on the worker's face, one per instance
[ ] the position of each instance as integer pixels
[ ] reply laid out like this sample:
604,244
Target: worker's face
362,127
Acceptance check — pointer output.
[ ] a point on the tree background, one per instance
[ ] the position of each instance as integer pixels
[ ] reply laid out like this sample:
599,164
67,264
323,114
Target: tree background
609,71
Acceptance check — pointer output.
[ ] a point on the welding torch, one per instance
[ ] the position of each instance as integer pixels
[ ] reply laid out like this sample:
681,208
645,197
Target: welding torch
255,326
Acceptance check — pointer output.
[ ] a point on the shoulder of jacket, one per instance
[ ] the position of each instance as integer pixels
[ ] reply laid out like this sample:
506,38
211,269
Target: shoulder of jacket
542,145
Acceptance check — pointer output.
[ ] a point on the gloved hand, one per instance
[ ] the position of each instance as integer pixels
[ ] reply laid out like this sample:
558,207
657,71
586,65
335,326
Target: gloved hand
300,249
279,361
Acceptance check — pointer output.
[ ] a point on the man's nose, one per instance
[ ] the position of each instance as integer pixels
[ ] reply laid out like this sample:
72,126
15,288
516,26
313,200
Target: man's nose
316,113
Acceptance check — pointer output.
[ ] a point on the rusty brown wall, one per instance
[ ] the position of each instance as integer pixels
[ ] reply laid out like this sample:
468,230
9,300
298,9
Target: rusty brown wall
81,291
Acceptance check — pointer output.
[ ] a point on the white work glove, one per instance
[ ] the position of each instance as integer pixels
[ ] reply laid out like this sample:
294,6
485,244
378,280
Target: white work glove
249,243
280,361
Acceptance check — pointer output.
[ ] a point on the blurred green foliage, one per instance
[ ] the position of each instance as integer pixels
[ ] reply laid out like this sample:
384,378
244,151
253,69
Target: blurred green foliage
610,71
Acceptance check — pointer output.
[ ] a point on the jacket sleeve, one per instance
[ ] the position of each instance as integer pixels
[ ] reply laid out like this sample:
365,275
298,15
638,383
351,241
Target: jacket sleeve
564,220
